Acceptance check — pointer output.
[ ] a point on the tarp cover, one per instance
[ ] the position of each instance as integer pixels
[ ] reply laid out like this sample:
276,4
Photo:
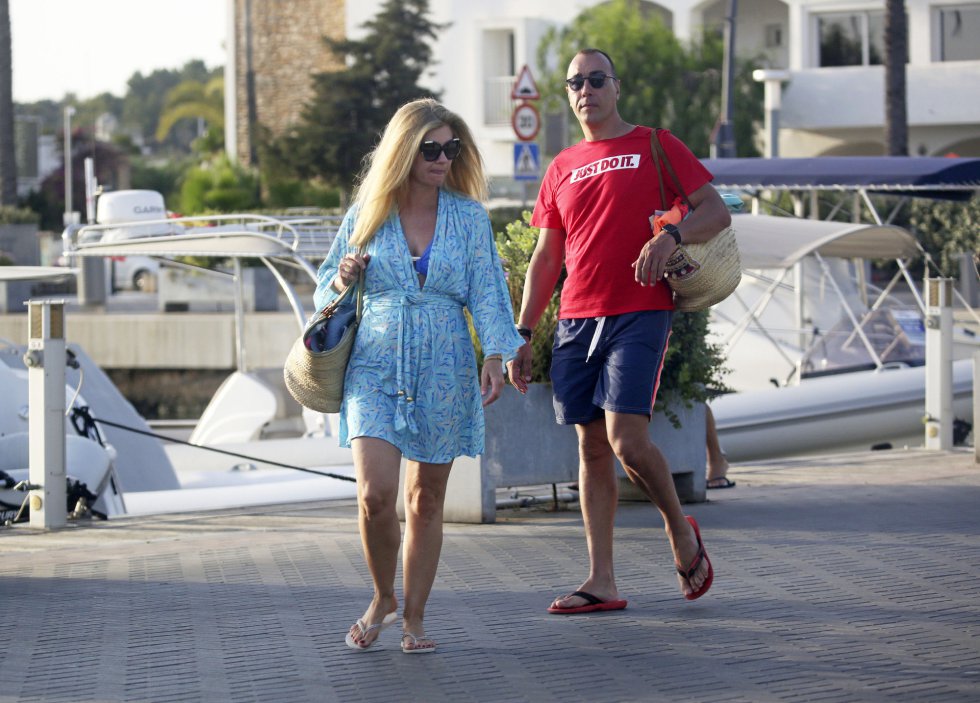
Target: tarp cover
939,177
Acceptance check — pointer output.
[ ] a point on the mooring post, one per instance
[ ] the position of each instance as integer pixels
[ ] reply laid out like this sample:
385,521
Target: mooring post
45,360
939,363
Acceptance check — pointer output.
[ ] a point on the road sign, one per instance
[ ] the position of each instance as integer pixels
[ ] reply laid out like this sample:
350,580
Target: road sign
525,87
526,122
527,162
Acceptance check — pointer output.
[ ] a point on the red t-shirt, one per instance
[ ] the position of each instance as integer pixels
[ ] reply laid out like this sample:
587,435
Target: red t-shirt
601,195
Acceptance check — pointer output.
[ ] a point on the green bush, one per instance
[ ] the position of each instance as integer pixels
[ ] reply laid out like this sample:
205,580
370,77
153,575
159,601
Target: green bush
291,193
693,369
219,186
10,215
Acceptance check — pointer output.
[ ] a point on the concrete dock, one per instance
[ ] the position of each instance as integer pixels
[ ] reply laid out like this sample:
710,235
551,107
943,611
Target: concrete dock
844,578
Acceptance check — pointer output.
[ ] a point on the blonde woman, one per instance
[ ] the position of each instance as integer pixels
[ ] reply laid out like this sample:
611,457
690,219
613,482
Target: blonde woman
419,230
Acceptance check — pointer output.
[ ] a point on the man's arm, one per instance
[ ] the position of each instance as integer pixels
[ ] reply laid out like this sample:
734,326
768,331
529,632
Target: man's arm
709,217
539,284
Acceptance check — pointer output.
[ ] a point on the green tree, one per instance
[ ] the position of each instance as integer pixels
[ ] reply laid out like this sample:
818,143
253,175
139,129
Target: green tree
8,164
350,107
946,229
194,99
146,95
665,83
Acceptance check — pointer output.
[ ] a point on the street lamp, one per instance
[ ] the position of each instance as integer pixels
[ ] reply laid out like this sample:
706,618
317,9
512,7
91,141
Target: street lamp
69,217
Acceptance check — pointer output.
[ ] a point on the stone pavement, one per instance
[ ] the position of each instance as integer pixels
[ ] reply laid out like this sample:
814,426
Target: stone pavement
846,578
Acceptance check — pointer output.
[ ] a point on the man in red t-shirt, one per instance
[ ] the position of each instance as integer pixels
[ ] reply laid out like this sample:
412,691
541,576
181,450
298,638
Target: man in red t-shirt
594,211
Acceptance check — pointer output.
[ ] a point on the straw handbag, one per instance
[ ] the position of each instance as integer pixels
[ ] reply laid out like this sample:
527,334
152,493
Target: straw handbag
699,274
317,362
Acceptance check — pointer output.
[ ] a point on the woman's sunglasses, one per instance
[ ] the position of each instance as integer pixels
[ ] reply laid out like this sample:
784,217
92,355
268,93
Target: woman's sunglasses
431,150
596,79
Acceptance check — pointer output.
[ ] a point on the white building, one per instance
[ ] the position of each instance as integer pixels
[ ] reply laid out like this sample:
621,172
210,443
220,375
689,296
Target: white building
832,101
832,104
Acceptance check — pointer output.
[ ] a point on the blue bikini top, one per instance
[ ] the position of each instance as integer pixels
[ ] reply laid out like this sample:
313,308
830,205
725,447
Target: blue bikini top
422,262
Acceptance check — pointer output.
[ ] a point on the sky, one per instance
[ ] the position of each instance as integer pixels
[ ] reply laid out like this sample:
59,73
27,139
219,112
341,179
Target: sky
89,47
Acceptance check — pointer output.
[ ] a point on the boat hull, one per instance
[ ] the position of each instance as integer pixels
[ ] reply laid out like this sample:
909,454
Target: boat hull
853,411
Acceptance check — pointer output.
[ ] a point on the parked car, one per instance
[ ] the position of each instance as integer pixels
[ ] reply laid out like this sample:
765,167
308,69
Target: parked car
135,273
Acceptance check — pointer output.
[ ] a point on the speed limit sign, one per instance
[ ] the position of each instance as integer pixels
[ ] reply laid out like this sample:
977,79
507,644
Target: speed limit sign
526,122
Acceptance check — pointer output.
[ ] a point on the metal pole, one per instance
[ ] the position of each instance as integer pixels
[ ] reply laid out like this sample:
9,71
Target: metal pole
939,364
90,187
726,129
45,360
69,208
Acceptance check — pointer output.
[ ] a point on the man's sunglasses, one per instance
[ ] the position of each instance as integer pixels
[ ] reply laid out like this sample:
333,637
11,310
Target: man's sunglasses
431,150
596,79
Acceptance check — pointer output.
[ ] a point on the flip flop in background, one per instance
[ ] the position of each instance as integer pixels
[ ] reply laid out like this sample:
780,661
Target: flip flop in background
720,482
593,605
702,555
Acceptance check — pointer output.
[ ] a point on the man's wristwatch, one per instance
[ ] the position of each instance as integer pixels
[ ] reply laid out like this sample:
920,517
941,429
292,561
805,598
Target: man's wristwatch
673,232
525,332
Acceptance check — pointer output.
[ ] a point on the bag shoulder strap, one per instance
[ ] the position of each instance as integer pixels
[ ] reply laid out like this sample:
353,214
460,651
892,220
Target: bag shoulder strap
659,154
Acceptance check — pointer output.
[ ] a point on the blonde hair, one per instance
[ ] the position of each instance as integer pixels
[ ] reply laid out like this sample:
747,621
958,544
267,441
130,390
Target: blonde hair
387,168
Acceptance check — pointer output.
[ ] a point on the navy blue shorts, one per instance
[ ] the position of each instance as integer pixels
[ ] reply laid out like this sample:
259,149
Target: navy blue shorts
622,372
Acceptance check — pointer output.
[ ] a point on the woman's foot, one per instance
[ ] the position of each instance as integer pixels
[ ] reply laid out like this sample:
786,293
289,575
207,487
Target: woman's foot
379,615
417,644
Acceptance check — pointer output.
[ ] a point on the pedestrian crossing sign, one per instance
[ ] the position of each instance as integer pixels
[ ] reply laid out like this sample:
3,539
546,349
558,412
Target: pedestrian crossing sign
527,162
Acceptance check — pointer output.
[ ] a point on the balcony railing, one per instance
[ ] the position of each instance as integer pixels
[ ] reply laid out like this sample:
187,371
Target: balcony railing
498,106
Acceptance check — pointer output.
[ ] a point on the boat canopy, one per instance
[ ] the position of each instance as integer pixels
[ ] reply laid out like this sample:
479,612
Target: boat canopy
920,176
770,242
35,273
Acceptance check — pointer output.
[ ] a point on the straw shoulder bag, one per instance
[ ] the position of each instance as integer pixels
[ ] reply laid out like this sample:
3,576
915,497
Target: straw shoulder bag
316,364
699,274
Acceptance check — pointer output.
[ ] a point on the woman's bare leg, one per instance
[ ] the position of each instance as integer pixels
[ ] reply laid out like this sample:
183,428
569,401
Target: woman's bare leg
376,463
425,495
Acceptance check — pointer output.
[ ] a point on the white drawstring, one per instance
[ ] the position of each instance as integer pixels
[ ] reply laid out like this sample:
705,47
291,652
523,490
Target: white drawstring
595,337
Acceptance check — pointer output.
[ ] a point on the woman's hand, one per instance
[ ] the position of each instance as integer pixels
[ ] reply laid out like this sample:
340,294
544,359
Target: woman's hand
491,379
350,268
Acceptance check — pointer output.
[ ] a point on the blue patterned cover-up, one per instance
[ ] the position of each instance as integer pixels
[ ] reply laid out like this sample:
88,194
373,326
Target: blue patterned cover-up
412,378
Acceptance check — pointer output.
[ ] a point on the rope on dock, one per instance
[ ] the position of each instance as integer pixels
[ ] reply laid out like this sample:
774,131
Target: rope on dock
83,415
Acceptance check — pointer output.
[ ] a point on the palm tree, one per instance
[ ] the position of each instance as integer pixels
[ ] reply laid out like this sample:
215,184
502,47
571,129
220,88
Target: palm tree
896,56
193,99
8,164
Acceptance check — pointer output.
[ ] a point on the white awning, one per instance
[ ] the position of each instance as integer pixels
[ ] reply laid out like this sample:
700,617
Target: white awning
34,273
769,242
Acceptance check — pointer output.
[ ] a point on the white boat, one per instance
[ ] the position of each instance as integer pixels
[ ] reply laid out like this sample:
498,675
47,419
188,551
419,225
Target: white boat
259,446
821,359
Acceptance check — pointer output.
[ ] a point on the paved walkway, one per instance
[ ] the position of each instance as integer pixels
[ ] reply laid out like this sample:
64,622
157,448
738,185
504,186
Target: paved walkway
852,578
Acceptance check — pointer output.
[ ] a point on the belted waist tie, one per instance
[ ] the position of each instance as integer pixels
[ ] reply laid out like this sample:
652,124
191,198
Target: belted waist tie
407,379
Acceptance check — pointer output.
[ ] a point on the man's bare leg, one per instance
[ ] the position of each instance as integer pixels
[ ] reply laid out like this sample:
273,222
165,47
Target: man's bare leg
599,493
647,468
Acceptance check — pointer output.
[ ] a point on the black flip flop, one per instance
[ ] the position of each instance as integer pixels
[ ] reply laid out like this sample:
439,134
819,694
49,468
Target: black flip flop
725,483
